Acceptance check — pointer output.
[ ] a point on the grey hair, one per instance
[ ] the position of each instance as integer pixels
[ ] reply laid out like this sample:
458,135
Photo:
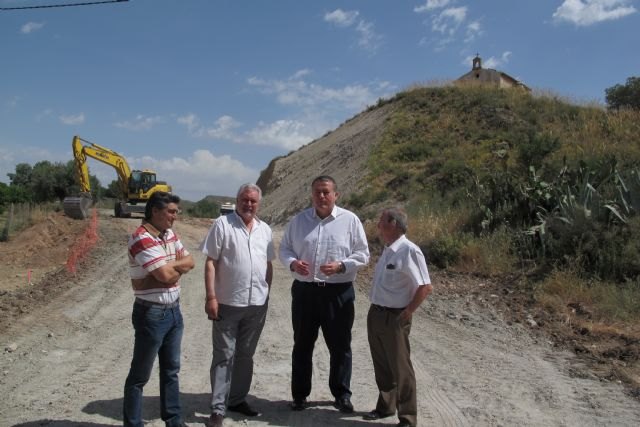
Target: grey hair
251,187
399,216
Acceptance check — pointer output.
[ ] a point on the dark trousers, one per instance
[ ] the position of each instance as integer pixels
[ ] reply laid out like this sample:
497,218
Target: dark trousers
390,352
330,308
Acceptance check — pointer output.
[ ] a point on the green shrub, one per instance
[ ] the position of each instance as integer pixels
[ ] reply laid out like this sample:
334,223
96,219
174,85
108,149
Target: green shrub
204,209
443,251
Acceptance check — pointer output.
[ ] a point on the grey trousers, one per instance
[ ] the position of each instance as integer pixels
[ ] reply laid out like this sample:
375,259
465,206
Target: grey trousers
391,355
235,338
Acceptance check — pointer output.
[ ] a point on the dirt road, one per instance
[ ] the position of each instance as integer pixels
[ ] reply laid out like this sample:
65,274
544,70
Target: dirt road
64,363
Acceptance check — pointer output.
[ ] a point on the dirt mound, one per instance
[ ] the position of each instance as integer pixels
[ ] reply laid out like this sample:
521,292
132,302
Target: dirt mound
41,248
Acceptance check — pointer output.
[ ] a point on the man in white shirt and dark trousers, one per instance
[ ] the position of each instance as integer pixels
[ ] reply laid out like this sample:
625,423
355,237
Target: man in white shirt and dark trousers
400,284
323,246
238,274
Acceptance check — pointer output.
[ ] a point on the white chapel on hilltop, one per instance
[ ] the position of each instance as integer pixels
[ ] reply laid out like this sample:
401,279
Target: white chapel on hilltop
489,77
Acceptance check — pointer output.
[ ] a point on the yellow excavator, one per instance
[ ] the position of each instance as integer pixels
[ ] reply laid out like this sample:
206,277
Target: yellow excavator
135,186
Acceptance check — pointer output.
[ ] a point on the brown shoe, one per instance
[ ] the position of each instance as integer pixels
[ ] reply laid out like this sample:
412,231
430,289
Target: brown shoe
215,420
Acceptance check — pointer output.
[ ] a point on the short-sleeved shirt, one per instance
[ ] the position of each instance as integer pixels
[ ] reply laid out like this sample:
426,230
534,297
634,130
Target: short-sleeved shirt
242,257
150,249
399,272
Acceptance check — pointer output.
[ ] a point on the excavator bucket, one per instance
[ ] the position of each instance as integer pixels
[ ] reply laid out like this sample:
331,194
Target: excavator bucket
77,207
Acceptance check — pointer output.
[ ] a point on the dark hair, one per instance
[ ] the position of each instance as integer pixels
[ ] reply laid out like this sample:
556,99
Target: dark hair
160,200
325,178
399,216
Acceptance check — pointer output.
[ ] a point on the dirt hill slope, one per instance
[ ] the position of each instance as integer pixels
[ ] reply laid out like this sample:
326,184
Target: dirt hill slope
341,154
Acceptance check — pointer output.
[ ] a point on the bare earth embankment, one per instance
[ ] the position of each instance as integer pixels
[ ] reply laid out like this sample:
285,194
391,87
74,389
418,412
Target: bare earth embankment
67,345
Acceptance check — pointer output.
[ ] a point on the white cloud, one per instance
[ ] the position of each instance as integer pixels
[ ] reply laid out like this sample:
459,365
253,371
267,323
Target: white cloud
296,91
368,39
223,127
491,62
13,152
315,107
30,27
448,21
200,174
474,29
430,5
72,119
341,18
288,134
588,12
140,122
301,73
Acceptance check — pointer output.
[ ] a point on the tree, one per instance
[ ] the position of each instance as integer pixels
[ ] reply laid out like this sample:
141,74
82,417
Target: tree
22,177
627,95
205,209
113,190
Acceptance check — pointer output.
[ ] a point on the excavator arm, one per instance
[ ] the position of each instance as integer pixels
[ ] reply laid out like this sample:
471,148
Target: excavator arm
78,207
135,186
104,155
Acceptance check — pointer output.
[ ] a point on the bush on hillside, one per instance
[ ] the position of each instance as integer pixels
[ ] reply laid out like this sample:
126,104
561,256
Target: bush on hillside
514,162
624,96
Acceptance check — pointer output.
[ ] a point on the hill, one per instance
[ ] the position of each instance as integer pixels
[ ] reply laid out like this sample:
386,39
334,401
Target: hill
533,191
342,153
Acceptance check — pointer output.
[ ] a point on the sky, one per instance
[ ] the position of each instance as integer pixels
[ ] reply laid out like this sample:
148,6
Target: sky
208,92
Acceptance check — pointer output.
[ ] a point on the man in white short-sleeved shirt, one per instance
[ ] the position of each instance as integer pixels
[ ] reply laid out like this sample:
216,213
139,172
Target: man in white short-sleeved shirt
238,273
401,282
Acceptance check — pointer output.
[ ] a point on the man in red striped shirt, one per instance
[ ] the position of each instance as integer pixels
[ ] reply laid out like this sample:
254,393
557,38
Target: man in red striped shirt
157,260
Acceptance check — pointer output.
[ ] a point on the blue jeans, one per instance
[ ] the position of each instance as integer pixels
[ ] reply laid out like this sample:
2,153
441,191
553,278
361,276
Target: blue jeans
158,331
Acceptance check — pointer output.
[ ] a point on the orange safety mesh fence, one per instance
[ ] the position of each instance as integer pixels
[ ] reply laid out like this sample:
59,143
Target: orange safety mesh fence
84,243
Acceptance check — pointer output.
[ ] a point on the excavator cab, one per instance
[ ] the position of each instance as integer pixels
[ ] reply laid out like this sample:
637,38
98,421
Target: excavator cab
140,182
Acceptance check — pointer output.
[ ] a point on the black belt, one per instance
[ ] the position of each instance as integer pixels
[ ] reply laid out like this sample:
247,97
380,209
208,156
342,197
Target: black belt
383,308
324,284
157,304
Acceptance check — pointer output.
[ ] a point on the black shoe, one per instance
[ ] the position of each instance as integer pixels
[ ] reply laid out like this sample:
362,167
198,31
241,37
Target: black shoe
375,415
344,405
244,409
403,424
298,404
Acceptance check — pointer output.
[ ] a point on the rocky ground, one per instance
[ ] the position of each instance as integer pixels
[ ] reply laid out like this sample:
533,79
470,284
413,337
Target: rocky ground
483,355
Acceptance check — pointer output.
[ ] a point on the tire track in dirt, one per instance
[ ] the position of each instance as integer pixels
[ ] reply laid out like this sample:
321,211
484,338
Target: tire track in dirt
472,367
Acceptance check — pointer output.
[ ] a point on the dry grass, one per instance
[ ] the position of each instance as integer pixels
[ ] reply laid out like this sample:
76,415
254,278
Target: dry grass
23,215
606,303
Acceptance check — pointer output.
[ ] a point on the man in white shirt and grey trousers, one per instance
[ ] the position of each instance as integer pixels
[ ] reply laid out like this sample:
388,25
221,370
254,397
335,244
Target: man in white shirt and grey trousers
238,274
323,246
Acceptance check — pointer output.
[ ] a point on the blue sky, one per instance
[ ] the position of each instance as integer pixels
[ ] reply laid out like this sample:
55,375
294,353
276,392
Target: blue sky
207,92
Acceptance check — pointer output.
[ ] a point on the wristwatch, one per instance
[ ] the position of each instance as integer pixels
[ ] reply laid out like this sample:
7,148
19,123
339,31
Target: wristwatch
343,268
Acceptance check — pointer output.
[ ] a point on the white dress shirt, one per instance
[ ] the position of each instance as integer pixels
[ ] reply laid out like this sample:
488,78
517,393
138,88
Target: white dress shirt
400,270
338,237
242,258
